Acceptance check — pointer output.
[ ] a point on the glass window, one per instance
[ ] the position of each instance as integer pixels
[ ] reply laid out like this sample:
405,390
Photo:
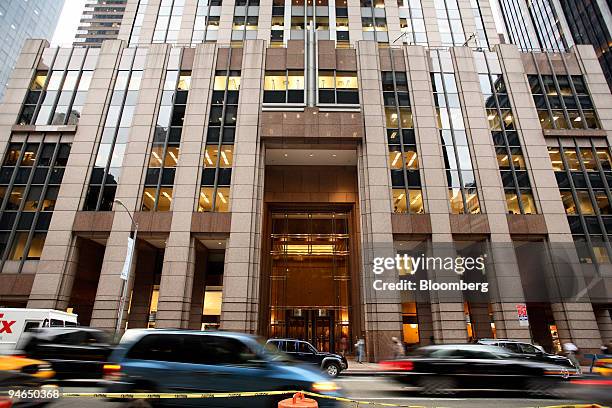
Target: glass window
222,199
205,199
148,199
584,200
399,201
276,81
346,80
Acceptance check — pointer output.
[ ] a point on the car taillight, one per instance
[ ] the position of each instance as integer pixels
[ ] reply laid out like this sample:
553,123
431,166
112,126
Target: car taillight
112,372
398,365
603,364
5,403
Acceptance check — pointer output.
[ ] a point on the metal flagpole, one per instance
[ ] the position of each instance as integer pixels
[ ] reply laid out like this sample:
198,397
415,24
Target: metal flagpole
126,271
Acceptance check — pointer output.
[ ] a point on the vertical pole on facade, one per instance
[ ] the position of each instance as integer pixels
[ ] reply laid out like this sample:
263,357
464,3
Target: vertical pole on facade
126,272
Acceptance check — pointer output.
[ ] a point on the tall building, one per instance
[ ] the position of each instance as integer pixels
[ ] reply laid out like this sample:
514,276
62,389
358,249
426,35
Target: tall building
23,19
100,21
276,156
555,25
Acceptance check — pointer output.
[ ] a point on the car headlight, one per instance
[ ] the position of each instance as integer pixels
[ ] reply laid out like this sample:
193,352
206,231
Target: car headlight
325,386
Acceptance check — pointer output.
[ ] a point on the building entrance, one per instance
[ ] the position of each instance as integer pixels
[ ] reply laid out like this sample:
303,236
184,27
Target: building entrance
309,278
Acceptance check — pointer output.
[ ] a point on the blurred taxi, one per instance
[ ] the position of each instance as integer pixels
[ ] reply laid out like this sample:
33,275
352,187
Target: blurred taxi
36,368
603,366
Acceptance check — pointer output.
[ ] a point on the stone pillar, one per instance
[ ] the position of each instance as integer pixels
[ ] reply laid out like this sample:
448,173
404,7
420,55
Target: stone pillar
199,286
481,323
354,20
447,315
264,23
431,23
502,271
187,21
144,279
149,21
604,322
129,190
393,22
127,21
179,259
226,22
426,331
241,275
382,308
58,263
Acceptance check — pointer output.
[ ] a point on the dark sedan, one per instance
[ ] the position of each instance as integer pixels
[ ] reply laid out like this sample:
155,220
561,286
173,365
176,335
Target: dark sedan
446,368
74,352
529,351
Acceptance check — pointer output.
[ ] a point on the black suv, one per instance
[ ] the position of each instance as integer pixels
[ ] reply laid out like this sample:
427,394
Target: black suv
528,351
301,350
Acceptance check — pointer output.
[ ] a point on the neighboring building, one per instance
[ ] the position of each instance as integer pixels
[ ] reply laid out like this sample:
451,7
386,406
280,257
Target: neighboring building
270,166
100,21
21,19
555,25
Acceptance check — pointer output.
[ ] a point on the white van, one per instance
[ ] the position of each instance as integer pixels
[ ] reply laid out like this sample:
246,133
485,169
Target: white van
15,322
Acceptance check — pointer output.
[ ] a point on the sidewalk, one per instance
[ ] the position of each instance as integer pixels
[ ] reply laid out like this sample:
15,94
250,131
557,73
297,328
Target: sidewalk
365,368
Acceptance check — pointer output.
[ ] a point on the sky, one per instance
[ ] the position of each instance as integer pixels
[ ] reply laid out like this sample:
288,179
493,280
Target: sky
68,23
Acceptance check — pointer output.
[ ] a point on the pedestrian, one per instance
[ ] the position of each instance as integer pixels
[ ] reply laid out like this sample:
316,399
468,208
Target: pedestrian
571,352
398,348
360,347
343,345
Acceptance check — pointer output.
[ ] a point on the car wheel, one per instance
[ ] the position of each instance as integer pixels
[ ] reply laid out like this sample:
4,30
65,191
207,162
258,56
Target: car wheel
332,369
435,385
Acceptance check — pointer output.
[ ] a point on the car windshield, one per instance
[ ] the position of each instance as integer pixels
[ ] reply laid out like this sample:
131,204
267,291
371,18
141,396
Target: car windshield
270,352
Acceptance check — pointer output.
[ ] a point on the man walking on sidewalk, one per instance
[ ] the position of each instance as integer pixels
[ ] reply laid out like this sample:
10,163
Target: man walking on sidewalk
360,347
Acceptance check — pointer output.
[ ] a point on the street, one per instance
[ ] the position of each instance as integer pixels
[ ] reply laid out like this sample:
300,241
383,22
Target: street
381,389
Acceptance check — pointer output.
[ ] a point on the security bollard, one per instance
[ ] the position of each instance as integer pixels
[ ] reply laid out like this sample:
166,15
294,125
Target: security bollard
302,403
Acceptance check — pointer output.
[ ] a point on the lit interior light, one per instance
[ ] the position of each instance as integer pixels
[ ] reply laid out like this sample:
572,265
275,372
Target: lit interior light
204,197
491,117
157,157
207,157
319,249
222,198
578,119
401,196
412,159
167,196
396,158
173,157
150,196
415,199
224,157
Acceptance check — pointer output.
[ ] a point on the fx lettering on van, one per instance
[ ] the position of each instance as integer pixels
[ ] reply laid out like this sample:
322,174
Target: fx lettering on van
14,323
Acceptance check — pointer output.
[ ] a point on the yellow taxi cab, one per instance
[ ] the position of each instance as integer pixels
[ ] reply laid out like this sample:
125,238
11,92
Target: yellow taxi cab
603,366
36,368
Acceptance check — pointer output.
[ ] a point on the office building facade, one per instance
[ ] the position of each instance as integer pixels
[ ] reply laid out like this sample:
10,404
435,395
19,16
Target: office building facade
556,25
269,152
20,20
100,21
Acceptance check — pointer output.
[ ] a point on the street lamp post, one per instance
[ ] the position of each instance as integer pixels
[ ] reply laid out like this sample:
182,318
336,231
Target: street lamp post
127,269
